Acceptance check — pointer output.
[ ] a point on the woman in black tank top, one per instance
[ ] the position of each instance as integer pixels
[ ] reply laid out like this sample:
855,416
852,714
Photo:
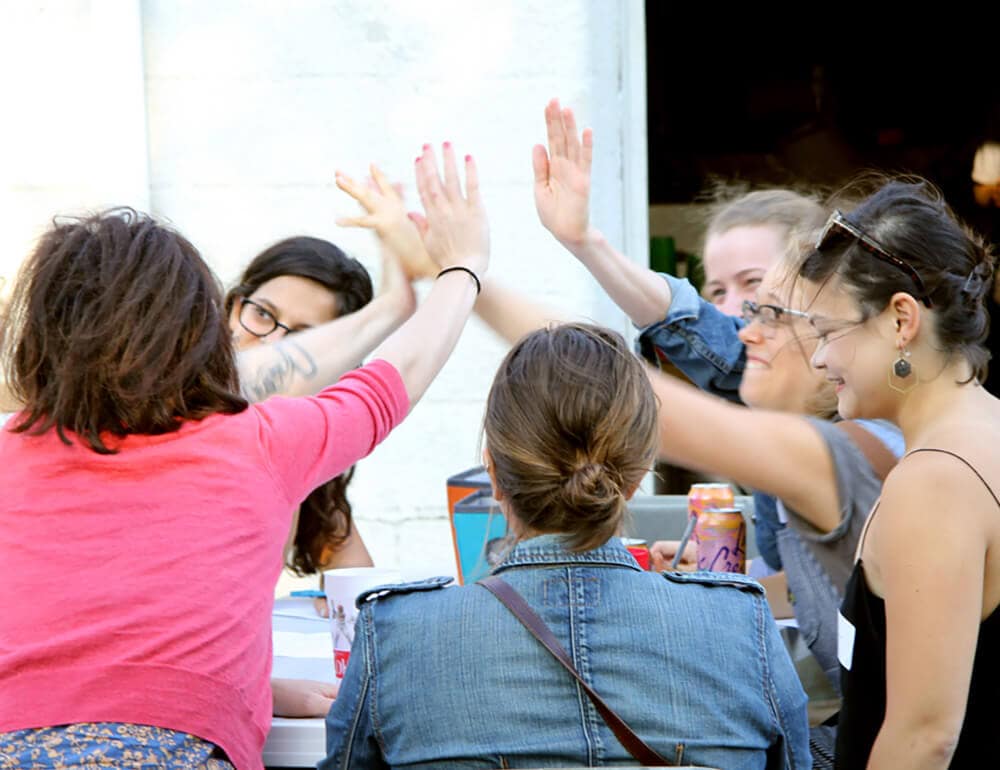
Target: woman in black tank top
897,300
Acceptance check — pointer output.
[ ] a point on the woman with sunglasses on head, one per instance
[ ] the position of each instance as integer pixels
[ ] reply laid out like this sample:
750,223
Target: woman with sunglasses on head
896,292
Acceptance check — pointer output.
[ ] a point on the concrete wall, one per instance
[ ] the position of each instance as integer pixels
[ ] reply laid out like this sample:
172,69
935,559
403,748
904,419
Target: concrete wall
249,107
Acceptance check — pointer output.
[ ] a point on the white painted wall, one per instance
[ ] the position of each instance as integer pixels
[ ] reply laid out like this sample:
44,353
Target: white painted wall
73,133
251,106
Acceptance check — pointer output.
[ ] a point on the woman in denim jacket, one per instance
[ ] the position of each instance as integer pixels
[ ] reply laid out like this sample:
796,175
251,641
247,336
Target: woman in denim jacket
693,663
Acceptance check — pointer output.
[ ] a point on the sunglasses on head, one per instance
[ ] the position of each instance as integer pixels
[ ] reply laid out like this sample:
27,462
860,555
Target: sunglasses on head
837,224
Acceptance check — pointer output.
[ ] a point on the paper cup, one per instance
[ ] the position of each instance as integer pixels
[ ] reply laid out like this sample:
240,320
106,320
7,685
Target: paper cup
342,587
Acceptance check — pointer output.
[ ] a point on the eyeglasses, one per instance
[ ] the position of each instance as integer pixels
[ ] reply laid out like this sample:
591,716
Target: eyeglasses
768,315
838,224
258,320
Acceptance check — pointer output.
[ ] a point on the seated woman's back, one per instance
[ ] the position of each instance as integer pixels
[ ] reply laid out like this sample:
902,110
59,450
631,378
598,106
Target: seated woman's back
693,664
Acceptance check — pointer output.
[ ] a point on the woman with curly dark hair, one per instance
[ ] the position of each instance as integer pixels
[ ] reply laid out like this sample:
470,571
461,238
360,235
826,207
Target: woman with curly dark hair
297,284
136,466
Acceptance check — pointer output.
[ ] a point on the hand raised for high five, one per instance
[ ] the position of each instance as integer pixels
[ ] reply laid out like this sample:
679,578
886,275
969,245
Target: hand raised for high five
562,176
385,213
454,227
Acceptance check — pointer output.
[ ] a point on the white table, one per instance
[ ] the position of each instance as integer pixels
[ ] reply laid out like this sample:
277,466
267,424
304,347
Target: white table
299,742
302,742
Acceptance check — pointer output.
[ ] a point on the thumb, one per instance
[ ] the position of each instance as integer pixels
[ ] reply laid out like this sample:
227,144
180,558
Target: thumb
540,163
420,221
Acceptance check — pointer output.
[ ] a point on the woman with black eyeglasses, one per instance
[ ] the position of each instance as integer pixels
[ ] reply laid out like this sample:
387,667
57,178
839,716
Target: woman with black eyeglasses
896,293
302,314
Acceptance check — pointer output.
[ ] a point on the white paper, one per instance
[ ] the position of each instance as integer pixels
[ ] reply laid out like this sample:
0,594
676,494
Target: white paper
297,607
294,644
845,641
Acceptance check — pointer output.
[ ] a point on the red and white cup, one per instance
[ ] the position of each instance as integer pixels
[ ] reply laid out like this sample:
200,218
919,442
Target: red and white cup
342,587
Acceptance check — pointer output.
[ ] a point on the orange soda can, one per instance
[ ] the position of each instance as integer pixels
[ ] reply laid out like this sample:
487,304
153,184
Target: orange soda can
702,497
721,537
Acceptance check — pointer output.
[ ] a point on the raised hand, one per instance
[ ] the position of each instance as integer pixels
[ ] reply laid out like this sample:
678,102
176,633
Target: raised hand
385,213
562,176
454,226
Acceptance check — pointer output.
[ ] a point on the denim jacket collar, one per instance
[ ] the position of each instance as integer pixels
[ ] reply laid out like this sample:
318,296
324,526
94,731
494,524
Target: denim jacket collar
547,550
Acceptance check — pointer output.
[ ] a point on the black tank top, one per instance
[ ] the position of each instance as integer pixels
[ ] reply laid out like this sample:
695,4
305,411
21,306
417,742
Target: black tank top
863,684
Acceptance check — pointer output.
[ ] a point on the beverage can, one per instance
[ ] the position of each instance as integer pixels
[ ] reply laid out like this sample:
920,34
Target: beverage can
721,537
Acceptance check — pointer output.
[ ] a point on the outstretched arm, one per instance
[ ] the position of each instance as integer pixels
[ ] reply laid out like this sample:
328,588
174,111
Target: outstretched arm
562,198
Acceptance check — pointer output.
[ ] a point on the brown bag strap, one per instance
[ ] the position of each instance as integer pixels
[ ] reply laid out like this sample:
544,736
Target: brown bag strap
877,453
511,599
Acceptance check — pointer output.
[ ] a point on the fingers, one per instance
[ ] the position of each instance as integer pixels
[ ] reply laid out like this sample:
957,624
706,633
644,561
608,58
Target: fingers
355,190
383,184
555,130
330,690
540,162
587,151
451,184
569,132
368,222
428,180
471,181
420,221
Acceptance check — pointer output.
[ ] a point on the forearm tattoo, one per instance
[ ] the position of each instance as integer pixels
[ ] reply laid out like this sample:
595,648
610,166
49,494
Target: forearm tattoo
277,375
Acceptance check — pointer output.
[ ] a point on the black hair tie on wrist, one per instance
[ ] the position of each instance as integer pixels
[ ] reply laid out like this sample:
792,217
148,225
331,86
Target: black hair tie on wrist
479,286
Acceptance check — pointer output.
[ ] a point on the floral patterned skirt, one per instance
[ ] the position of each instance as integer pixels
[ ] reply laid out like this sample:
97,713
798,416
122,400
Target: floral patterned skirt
108,744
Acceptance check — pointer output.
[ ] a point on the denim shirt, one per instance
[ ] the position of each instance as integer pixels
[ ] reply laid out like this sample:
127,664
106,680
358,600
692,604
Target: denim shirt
693,662
699,339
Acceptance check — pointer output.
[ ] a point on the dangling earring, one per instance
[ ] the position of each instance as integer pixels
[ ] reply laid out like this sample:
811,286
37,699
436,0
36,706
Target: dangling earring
901,369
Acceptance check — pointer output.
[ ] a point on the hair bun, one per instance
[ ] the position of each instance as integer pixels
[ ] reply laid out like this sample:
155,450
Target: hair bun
978,281
592,487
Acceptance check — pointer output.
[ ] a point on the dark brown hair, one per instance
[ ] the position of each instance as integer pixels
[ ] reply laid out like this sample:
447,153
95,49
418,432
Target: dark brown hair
116,326
324,522
909,218
324,525
571,429
312,258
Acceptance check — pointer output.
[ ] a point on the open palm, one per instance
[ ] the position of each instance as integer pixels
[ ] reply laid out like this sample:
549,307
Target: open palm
562,176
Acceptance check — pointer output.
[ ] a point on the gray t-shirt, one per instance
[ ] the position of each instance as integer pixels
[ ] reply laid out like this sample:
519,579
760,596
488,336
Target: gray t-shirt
858,487
818,564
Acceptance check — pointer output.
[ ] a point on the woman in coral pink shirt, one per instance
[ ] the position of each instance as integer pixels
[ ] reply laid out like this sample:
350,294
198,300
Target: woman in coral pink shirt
139,488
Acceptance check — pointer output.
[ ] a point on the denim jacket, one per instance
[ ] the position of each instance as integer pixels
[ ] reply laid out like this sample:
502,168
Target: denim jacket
693,662
699,339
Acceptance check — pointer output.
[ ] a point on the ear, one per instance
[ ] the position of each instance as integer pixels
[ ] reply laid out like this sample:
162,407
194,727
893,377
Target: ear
905,312
488,462
632,489
234,314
